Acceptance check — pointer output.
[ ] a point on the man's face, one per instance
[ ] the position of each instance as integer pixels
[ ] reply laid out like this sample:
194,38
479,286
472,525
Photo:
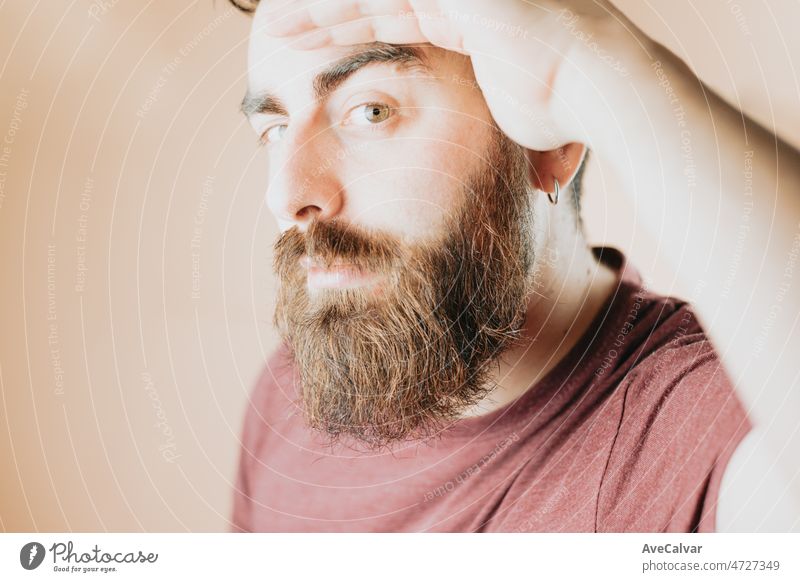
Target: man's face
405,220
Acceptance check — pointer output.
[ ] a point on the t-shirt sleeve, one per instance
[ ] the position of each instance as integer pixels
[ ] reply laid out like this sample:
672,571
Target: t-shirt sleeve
255,430
680,424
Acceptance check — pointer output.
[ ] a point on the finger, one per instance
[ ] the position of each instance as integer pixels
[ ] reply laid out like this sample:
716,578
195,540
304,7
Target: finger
288,19
297,17
387,29
317,38
349,33
441,32
352,33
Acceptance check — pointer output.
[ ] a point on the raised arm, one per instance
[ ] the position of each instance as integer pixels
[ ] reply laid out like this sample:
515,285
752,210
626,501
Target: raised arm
723,197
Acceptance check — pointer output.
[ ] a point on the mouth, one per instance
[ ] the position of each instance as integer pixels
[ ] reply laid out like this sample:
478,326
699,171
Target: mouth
339,275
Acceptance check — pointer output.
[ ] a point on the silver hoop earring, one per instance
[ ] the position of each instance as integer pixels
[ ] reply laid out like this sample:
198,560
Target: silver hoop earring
554,196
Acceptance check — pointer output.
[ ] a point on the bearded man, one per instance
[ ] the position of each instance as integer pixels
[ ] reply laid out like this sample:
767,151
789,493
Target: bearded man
455,356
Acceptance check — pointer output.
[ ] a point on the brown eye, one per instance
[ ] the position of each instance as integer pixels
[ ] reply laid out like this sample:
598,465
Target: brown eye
377,112
369,115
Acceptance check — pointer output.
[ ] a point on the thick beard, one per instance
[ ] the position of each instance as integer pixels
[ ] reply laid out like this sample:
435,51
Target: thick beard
400,363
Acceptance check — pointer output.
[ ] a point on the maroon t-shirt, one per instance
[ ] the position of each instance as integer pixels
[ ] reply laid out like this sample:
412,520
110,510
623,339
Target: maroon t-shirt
631,431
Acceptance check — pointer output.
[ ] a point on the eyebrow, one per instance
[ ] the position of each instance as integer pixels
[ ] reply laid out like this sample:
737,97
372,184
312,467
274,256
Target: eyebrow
334,76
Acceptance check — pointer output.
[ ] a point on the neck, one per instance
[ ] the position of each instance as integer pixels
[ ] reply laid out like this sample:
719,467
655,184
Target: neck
568,290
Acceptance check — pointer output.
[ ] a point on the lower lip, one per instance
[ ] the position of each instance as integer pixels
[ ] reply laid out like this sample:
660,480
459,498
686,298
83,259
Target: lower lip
338,277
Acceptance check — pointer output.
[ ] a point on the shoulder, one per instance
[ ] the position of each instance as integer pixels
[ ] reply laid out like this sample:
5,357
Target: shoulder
680,420
678,380
677,365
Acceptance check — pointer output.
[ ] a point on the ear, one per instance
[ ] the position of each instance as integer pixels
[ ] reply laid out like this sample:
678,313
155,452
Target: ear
561,164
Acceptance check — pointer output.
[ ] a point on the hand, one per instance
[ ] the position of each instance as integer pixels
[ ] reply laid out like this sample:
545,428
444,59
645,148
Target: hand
519,50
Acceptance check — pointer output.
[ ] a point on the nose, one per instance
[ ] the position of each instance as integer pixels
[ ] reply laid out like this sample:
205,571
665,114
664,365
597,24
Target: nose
304,185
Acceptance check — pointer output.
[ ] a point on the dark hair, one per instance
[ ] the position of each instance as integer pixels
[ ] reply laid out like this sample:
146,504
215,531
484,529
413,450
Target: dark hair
245,5
577,189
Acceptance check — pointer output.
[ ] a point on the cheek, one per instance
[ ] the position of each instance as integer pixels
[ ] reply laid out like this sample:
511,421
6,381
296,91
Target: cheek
413,193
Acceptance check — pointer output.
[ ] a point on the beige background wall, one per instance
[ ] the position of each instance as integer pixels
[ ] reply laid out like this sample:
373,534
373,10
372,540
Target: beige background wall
135,249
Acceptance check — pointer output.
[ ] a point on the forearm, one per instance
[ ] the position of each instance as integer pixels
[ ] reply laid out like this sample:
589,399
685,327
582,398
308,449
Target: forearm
723,197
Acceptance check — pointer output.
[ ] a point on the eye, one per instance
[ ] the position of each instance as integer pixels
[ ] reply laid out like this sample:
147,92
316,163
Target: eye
273,134
369,114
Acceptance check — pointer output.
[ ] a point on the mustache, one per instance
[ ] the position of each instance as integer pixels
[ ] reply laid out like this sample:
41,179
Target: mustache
328,242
